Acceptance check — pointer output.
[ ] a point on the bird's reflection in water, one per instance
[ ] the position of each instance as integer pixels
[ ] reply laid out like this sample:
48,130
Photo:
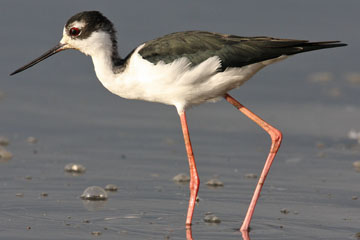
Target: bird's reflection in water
245,234
189,233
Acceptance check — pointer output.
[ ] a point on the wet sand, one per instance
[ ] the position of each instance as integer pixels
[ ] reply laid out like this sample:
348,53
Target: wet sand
311,189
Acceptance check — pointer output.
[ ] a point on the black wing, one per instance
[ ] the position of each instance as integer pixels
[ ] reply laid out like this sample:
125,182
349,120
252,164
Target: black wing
234,51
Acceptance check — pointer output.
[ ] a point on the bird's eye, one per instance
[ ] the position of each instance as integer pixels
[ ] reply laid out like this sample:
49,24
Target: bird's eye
74,32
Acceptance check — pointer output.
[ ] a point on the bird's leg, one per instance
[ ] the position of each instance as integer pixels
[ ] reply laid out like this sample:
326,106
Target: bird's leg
276,137
189,233
194,177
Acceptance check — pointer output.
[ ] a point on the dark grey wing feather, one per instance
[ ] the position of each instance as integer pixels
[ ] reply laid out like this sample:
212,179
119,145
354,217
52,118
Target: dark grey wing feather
234,51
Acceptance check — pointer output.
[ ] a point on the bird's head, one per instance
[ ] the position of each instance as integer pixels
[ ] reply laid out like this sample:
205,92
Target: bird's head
87,32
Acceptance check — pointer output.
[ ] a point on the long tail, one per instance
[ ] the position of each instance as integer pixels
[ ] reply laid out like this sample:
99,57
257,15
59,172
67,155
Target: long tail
306,46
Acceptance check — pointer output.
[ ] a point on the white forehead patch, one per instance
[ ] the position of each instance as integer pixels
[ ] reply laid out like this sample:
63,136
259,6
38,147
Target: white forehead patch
78,24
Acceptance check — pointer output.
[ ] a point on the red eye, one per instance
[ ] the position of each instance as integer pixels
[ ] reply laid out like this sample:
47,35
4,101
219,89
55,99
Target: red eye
74,32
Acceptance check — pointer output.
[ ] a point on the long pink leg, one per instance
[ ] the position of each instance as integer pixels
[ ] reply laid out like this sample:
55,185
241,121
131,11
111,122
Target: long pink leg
194,177
276,137
189,233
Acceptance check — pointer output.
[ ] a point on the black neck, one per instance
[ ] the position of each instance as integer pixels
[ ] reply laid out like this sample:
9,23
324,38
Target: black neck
118,63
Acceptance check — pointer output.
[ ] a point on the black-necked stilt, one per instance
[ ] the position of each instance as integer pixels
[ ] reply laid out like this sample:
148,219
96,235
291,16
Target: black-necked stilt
181,69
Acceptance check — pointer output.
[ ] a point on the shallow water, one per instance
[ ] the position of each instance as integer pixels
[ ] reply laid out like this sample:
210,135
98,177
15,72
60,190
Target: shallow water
139,147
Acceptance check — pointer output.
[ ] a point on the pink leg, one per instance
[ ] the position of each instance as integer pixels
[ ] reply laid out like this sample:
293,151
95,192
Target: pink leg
189,233
194,177
276,137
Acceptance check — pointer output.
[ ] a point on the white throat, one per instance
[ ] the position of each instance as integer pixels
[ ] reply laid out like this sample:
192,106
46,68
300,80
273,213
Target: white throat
103,65
99,47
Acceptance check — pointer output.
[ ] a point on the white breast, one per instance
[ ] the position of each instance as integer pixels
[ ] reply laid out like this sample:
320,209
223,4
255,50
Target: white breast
177,83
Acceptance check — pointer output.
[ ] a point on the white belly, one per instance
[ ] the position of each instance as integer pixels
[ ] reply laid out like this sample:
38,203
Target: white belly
178,83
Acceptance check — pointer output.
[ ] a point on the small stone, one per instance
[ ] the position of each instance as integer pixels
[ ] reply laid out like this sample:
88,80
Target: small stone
5,155
251,175
32,140
74,168
155,175
211,218
354,135
181,178
94,193
320,145
111,188
19,194
321,77
28,177
4,141
356,165
86,221
159,188
354,198
334,92
28,227
353,77
44,194
357,235
96,233
215,183
284,211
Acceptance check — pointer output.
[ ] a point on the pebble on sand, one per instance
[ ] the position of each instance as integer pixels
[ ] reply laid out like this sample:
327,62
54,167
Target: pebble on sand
74,168
356,165
357,235
5,155
94,193
111,188
181,178
44,194
353,78
4,141
211,218
320,145
321,77
284,211
215,183
355,135
96,233
32,140
251,175
334,92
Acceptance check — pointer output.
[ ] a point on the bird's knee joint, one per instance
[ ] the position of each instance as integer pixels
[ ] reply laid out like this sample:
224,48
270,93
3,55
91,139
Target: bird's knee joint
276,136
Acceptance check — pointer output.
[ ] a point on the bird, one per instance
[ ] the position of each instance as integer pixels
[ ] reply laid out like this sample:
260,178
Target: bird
182,69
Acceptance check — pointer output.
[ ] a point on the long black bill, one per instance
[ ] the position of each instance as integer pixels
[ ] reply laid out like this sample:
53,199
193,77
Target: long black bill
49,53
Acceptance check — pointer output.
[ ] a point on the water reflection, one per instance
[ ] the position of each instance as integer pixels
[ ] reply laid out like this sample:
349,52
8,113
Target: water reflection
93,205
245,234
188,233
